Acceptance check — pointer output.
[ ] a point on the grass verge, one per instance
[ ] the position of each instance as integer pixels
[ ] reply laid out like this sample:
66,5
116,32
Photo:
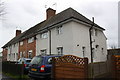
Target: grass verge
16,76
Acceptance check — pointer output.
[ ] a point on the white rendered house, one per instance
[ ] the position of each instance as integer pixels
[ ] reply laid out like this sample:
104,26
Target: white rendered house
72,36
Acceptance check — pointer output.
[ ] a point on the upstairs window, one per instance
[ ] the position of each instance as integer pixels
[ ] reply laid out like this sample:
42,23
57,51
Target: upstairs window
21,43
60,50
59,30
30,54
21,55
14,45
44,35
30,40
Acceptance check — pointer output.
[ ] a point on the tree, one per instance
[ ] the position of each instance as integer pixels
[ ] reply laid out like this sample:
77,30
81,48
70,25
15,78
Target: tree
113,46
2,9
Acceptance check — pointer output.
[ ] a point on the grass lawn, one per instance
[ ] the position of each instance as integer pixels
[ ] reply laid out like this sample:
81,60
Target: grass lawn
16,76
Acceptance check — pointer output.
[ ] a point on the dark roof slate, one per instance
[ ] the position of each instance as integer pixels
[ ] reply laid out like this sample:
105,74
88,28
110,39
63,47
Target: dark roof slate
60,17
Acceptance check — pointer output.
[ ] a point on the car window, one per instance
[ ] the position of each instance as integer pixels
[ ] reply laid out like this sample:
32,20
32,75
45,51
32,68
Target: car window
49,60
36,60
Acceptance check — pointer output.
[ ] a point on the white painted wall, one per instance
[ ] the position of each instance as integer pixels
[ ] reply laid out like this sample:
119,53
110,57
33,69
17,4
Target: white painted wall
41,44
100,40
13,50
81,37
65,39
74,36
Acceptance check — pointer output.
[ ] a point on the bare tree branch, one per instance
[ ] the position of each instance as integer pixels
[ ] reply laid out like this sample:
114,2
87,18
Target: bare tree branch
2,9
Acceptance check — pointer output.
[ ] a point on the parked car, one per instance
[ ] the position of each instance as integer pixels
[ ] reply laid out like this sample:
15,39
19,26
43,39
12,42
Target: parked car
40,66
26,63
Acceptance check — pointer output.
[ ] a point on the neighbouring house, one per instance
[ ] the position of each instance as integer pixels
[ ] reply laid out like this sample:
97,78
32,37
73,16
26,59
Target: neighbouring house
67,32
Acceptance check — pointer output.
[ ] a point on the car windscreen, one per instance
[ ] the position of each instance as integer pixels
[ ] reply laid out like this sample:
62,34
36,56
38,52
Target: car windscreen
36,60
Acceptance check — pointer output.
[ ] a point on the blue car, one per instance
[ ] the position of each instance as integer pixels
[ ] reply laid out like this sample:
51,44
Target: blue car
40,66
26,63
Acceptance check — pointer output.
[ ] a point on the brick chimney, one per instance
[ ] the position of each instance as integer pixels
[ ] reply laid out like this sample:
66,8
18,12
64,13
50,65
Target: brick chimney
18,32
50,12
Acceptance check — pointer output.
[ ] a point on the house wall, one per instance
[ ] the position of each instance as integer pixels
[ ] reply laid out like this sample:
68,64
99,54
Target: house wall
42,44
74,36
26,47
12,54
65,39
100,39
82,39
4,54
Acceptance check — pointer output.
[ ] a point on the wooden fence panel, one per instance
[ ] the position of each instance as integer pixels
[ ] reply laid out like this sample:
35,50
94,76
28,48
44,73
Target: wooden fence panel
99,69
70,66
12,68
116,66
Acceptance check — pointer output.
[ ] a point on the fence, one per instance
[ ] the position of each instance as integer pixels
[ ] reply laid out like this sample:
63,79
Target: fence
12,68
100,70
115,66
70,66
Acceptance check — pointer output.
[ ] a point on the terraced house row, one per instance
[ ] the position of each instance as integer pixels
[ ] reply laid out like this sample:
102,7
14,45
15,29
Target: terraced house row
67,32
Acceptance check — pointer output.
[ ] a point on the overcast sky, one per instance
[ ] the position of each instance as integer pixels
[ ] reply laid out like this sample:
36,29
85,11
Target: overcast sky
23,14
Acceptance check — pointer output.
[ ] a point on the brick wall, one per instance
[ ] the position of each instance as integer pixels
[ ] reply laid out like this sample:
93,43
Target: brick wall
4,53
26,47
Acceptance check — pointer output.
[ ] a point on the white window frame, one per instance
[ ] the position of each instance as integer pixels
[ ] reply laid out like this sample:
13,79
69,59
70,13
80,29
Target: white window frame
30,40
60,50
43,51
30,52
44,35
59,29
21,43
21,55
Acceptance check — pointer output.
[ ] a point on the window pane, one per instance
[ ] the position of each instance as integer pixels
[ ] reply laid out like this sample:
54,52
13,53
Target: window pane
44,35
50,61
60,50
30,40
59,30
36,60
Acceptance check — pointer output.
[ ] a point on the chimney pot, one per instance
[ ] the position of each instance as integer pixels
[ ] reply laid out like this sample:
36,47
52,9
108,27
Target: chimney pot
50,12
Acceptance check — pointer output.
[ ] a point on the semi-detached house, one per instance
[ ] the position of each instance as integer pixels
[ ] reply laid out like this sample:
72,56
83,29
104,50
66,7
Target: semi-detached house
67,32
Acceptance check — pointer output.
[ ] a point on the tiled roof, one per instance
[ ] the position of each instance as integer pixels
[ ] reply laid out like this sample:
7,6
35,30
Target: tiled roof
58,18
